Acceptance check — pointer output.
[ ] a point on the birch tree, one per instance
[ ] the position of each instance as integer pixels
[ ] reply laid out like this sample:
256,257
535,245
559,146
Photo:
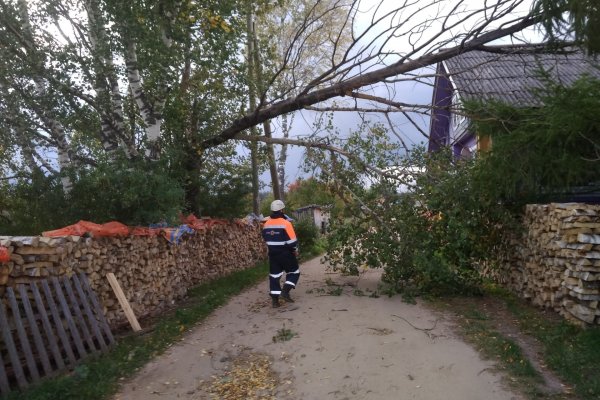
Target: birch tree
44,106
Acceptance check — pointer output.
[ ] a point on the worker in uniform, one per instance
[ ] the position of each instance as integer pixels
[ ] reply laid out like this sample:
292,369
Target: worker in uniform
280,237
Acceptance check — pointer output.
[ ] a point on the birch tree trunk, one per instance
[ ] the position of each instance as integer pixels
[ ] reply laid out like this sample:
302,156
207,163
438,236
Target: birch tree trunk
108,97
53,126
151,112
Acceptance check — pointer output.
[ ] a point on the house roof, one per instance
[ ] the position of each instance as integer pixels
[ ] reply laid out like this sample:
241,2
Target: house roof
311,206
509,77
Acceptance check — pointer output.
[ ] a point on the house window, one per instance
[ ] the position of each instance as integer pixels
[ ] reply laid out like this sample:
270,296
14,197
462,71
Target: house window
457,117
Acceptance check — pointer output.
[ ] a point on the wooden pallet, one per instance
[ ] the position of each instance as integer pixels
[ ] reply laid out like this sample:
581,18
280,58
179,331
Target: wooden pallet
48,327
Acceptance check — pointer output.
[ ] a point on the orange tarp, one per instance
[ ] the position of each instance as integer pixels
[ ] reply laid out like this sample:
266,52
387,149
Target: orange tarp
200,223
4,256
112,228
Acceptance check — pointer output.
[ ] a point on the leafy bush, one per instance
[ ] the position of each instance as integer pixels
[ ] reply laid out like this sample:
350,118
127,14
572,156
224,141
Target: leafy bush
135,193
304,192
219,186
307,234
30,206
432,239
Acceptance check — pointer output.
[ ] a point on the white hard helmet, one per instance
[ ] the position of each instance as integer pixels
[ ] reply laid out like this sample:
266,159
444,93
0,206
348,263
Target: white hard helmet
277,205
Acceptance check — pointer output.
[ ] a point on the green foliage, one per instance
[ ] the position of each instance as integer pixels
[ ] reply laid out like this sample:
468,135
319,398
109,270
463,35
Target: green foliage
265,204
225,195
132,193
539,153
571,351
304,192
283,335
439,235
220,187
497,347
433,239
336,291
565,19
192,84
32,206
307,234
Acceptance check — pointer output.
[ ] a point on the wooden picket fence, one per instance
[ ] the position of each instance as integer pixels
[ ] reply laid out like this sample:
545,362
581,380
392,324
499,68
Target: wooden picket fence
49,330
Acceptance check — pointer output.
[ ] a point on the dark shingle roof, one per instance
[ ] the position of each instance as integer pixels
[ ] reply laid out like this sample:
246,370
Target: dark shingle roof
510,77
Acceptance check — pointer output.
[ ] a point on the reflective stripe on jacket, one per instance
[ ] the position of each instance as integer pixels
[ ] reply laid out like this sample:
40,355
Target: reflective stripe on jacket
279,235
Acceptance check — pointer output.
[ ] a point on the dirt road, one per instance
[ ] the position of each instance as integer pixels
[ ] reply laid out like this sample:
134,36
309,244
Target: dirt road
343,344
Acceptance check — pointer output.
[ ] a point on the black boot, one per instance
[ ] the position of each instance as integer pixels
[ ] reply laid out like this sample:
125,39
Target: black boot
275,302
285,293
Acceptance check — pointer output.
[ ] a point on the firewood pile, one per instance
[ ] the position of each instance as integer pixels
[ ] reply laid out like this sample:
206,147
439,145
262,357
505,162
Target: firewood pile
152,272
557,262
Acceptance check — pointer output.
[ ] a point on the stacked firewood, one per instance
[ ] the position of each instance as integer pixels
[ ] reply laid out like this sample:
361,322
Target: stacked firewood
152,272
557,262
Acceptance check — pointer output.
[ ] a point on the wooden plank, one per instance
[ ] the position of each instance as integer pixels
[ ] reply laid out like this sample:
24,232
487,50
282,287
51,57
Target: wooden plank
37,337
124,302
80,319
12,350
23,339
4,385
69,317
90,315
62,334
97,307
50,336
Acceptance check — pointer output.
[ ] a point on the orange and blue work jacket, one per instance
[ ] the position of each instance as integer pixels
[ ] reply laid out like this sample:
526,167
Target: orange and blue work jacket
279,235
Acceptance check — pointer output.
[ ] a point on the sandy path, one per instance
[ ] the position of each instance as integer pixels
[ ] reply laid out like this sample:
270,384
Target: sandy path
347,347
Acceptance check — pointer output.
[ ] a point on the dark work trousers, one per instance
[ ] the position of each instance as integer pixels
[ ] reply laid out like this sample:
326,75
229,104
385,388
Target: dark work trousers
278,264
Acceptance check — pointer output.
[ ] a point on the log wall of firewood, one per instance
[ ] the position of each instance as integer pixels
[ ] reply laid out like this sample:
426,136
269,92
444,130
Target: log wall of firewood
556,263
152,272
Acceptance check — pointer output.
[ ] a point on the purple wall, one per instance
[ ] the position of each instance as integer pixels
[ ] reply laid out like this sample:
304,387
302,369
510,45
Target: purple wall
439,129
468,141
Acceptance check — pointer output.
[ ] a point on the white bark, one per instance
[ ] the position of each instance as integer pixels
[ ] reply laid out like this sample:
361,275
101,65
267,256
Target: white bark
53,126
106,85
151,113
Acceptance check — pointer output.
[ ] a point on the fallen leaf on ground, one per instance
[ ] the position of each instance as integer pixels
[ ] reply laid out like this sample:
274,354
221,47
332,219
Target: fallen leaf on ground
250,378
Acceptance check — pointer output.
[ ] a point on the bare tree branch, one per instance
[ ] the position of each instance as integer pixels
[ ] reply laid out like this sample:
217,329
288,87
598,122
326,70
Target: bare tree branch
316,145
399,105
363,110
391,125
346,87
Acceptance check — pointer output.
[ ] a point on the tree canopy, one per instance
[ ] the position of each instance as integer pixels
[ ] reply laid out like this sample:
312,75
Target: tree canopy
116,95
